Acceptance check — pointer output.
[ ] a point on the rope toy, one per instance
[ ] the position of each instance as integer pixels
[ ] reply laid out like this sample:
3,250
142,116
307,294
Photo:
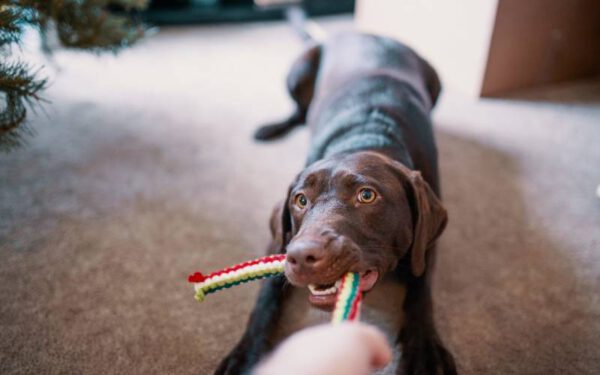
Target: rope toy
240,273
347,306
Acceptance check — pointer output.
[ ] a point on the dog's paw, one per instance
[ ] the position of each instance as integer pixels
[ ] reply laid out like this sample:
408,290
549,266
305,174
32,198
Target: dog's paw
427,357
238,362
230,365
233,364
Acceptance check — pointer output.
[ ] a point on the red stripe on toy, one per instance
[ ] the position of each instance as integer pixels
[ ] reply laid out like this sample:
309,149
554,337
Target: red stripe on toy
267,259
355,307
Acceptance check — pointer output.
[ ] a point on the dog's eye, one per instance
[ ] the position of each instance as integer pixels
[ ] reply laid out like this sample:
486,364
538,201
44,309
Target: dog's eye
366,195
301,200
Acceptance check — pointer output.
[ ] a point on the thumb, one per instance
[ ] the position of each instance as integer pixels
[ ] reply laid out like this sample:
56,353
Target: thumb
377,345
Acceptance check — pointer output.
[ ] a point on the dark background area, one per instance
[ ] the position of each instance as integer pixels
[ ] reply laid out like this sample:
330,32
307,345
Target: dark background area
162,12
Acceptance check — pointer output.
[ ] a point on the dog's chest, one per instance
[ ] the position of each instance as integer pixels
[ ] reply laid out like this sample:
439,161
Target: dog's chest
382,307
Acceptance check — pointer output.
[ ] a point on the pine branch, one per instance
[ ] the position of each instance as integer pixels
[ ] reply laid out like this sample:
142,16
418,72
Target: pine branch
12,21
11,26
90,25
82,24
20,89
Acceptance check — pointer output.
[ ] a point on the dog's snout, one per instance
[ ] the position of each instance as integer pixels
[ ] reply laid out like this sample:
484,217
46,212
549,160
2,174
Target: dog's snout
304,254
313,250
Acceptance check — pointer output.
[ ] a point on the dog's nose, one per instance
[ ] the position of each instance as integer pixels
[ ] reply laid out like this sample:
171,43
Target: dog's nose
304,255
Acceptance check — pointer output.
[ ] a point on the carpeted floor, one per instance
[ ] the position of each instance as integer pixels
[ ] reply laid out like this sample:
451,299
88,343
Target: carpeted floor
143,169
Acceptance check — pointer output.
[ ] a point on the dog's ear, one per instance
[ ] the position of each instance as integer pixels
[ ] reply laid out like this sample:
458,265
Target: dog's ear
429,219
280,224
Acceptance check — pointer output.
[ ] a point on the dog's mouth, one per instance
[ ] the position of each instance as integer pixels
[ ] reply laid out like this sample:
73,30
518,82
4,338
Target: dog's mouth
325,295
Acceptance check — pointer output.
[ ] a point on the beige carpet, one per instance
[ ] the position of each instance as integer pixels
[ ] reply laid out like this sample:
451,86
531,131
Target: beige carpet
143,169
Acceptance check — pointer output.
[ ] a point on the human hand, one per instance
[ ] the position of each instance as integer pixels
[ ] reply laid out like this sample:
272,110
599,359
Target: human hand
347,348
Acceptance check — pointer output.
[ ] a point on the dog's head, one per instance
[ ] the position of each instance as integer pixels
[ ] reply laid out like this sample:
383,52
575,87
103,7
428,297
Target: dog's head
359,212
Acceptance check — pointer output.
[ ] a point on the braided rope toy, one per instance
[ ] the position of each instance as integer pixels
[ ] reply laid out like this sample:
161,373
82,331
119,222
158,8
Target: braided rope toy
347,306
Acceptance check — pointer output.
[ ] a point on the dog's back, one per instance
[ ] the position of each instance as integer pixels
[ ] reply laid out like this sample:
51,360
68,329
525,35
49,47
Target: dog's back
374,93
347,56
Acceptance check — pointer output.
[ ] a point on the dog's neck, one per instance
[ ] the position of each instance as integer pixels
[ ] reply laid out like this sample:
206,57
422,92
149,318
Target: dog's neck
361,130
376,309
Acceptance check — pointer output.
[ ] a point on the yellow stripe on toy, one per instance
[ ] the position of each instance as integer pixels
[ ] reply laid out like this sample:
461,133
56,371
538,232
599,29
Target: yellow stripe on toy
349,296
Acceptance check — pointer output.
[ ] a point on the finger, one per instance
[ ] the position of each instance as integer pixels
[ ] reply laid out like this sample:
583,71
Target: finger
379,350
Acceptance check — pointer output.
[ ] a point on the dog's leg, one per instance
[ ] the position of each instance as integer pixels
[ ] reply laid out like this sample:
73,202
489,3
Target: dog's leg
301,84
256,340
422,349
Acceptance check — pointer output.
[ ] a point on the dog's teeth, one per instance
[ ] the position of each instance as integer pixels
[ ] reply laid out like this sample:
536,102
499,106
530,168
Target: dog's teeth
317,292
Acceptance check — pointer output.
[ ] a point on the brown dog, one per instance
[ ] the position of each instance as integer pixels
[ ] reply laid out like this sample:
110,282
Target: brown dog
367,202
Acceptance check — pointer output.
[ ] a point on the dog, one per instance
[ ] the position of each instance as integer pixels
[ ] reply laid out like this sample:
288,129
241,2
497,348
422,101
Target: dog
368,201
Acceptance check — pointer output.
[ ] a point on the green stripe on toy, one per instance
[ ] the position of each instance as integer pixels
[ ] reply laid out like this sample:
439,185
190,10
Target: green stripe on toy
349,296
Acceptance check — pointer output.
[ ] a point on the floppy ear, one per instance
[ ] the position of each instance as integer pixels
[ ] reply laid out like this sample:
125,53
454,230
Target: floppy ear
280,224
429,220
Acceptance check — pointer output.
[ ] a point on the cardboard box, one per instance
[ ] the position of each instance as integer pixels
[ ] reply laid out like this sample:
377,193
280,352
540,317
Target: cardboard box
492,47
